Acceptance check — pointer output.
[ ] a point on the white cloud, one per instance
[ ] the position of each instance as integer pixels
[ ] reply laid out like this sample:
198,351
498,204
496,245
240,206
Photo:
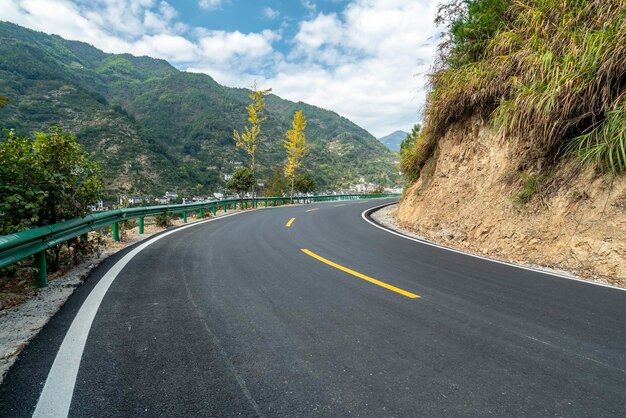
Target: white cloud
309,5
270,13
210,4
367,63
361,63
220,46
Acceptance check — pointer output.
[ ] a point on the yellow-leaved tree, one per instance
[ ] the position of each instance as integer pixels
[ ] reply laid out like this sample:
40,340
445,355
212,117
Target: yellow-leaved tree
249,138
3,101
296,147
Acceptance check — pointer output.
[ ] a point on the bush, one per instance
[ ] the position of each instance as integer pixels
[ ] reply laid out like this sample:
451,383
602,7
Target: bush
164,220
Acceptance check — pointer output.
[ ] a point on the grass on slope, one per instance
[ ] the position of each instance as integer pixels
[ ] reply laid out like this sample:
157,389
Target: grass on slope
550,73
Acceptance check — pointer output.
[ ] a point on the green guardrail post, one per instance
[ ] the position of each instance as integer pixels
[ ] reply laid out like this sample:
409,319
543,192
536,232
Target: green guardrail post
265,203
185,216
201,213
225,207
40,265
115,231
214,210
141,224
85,237
245,205
275,203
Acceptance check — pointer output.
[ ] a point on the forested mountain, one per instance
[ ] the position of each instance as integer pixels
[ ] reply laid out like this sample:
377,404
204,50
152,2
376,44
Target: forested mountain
156,128
393,140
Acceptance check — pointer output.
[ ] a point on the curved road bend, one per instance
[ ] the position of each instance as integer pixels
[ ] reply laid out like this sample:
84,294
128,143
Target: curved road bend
233,318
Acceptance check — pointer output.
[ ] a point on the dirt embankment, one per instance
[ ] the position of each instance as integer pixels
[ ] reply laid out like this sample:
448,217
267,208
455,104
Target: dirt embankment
482,195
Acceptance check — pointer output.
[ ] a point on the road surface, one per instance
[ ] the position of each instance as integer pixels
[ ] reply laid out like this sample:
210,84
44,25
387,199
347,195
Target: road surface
312,311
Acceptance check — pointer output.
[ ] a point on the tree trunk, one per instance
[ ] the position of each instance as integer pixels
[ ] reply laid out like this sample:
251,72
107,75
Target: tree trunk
253,180
292,182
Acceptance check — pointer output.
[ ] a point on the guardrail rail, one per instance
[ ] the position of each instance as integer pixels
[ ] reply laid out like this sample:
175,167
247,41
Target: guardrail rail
35,242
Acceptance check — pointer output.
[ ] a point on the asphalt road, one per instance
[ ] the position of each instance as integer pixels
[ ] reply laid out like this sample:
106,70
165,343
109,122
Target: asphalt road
232,318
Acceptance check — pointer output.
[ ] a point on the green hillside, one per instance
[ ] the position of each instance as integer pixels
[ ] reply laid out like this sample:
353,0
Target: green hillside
156,128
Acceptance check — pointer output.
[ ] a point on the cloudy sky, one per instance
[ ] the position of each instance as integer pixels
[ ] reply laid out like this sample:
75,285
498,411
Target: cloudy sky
364,59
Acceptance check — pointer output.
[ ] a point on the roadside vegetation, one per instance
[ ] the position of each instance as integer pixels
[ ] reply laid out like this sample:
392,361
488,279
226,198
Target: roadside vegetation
296,148
250,137
244,178
550,73
45,180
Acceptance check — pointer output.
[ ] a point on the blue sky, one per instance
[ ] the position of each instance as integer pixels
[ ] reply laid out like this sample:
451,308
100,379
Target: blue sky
364,59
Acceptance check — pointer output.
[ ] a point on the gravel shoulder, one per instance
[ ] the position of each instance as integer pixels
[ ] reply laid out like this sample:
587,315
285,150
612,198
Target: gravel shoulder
386,217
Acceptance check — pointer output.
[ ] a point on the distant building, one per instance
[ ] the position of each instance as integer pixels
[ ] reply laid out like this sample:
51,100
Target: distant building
228,177
171,195
98,207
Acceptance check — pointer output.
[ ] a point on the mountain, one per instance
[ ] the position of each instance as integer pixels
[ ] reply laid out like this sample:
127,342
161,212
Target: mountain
156,128
393,140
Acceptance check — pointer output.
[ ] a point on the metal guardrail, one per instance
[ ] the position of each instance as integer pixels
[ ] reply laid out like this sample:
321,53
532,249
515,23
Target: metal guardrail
18,246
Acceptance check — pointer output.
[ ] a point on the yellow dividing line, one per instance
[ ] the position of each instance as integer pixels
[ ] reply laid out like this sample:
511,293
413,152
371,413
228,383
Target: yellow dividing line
311,210
290,222
362,276
336,206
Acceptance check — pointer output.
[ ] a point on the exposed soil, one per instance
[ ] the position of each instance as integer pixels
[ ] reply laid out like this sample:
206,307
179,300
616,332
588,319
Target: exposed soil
471,198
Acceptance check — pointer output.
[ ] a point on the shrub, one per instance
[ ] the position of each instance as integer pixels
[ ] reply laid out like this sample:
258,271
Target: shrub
164,220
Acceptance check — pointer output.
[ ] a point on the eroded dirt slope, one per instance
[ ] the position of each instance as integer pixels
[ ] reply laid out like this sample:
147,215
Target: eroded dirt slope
470,199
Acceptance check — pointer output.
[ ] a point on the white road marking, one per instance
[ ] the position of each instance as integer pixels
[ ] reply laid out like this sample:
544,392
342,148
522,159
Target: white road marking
56,396
432,244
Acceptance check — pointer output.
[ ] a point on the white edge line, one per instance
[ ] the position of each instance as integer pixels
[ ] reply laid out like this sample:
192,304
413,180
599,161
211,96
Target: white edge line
56,397
493,260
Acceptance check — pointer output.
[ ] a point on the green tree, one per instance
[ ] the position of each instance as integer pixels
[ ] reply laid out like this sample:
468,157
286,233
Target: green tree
304,183
45,181
296,147
409,141
21,185
249,138
276,184
241,182
413,154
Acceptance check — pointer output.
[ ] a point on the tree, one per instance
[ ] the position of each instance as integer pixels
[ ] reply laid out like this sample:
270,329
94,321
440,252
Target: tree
45,181
296,147
241,182
21,185
409,141
412,154
305,183
248,139
277,184
3,101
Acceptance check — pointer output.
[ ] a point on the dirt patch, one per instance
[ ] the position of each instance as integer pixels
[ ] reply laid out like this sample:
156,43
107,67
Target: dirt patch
484,197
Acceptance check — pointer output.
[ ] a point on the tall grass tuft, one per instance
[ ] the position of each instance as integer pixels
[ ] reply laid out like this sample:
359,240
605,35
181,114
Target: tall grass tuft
551,73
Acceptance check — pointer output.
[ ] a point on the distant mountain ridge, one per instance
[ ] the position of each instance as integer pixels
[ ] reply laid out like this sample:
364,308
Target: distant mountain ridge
156,128
393,140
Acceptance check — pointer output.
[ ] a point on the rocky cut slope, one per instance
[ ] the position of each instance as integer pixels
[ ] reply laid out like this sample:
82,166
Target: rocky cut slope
156,128
523,152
